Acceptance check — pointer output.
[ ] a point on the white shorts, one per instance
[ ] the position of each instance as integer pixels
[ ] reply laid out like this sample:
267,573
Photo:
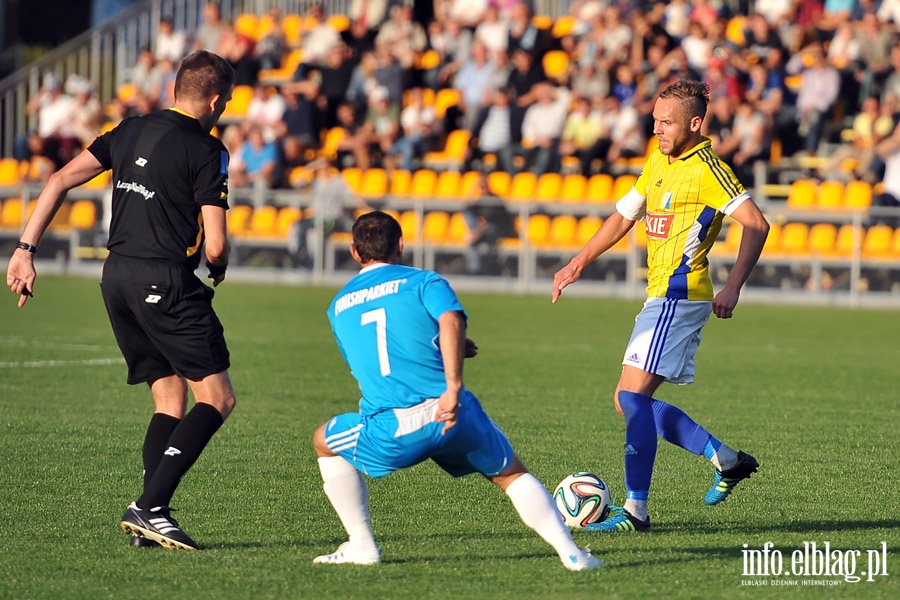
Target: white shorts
666,336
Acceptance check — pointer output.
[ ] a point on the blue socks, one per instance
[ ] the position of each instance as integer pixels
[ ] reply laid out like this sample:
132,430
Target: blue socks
640,443
674,426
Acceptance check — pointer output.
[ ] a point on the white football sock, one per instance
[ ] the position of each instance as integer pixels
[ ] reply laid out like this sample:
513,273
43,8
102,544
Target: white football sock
724,458
637,508
347,491
536,508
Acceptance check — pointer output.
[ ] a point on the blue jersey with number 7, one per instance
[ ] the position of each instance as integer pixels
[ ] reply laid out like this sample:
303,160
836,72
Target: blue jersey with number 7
385,321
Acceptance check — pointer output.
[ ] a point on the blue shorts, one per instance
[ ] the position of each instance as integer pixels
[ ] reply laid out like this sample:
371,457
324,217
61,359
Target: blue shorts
379,444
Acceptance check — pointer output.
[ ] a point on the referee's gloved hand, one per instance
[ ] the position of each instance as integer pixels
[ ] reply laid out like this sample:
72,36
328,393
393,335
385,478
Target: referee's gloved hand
216,273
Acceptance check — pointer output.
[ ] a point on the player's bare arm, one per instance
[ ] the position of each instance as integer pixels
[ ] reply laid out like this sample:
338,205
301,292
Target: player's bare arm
753,237
453,346
613,229
20,273
216,246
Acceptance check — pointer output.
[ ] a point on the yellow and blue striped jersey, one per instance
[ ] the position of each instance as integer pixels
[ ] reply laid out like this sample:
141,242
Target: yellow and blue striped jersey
684,205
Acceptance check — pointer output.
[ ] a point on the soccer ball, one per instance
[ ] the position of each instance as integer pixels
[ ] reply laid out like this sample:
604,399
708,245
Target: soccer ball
582,498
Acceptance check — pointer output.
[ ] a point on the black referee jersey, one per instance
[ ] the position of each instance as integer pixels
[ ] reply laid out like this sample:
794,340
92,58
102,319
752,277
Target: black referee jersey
164,168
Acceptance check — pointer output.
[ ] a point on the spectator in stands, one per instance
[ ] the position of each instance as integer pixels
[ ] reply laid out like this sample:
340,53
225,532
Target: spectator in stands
819,89
766,92
677,18
626,135
492,31
697,46
419,130
722,78
335,78
487,222
891,90
402,35
86,109
301,122
889,151
390,72
521,85
362,81
271,47
266,109
580,134
358,37
876,39
382,124
244,61
209,34
369,14
258,161
233,138
542,128
754,139
354,145
468,13
870,128
169,44
290,156
472,81
491,132
759,39
54,111
147,76
454,45
318,41
524,34
589,82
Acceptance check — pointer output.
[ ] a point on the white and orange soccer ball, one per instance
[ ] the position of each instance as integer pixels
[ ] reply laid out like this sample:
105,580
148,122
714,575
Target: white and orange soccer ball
581,499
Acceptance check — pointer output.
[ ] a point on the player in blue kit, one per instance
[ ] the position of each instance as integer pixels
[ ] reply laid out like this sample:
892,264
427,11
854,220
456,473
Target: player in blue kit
402,331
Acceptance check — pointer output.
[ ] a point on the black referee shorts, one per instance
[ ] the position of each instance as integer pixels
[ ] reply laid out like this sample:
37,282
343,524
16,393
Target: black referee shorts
163,320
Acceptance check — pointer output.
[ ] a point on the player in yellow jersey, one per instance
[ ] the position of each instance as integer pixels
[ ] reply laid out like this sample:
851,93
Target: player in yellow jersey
683,194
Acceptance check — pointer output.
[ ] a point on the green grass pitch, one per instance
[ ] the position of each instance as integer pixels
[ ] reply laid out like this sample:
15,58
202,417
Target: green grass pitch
811,392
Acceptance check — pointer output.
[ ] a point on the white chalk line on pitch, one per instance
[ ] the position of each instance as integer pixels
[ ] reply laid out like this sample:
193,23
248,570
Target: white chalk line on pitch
35,364
18,341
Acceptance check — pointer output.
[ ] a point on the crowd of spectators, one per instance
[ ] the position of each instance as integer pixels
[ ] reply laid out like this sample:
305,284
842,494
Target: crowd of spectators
794,73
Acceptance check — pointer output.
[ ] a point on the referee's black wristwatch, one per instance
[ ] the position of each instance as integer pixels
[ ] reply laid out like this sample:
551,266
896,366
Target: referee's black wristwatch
26,246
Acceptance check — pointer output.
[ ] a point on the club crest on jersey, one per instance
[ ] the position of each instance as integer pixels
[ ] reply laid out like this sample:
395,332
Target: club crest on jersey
658,225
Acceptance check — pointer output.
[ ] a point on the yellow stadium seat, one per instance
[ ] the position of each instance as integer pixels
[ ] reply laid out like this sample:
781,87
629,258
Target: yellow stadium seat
563,26
877,243
562,231
444,99
247,24
802,195
587,227
458,229
622,186
292,26
352,177
499,183
430,59
538,230
822,237
236,109
734,30
339,22
849,240
574,188
263,220
287,216
61,218
830,195
453,154
729,246
469,185
794,238
600,189
556,64
285,72
374,183
857,195
448,185
522,186
895,244
332,139
542,21
83,214
548,186
772,241
10,172
400,181
435,226
12,214
101,181
423,184
238,218
127,92
409,224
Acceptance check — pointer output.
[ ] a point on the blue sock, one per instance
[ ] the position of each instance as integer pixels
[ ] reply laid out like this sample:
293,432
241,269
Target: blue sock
640,443
674,426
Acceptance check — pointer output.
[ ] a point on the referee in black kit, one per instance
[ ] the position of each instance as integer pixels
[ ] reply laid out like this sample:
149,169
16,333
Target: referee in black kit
170,196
